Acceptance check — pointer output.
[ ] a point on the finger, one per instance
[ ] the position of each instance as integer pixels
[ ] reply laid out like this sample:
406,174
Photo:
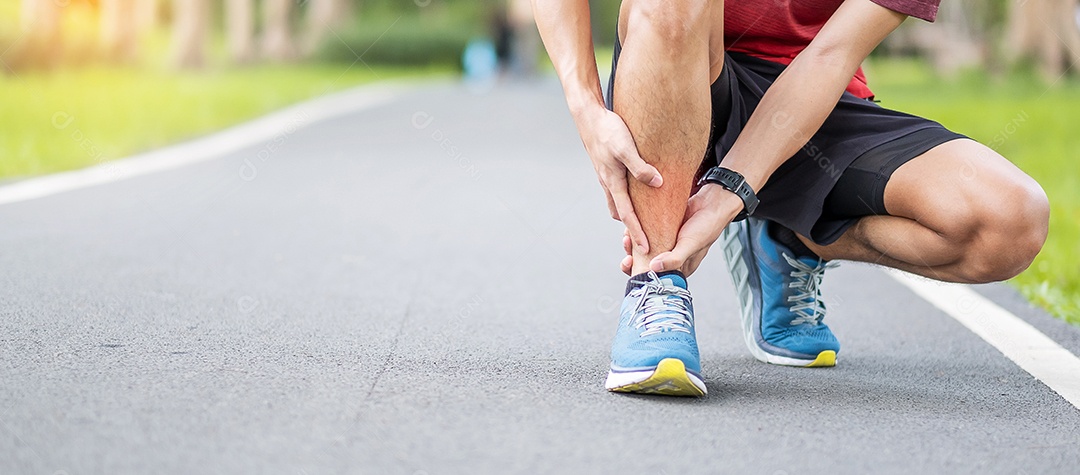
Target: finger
629,219
626,244
640,170
627,264
611,204
627,216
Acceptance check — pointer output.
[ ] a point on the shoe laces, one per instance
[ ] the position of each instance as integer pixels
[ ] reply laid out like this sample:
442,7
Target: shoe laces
661,307
806,280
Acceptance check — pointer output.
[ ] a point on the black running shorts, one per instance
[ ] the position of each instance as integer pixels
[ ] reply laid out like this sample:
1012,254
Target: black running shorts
839,176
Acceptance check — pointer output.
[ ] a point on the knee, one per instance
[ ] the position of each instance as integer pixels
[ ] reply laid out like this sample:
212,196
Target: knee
1008,232
674,21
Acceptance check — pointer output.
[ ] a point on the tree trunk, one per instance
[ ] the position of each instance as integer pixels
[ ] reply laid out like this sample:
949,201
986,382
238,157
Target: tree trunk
277,41
1049,46
1066,19
323,17
1022,26
146,15
240,29
955,43
42,42
526,40
41,18
191,20
118,34
1046,31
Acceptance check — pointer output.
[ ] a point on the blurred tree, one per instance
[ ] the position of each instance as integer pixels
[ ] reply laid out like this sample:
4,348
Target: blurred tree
191,20
981,33
955,42
1045,30
526,40
240,29
42,42
323,16
604,17
118,30
147,14
277,40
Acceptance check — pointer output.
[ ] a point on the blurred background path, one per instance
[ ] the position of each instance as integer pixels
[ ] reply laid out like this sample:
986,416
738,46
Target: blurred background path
430,286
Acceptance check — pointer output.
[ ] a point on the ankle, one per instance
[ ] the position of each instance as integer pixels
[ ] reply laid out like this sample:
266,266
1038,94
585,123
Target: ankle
676,277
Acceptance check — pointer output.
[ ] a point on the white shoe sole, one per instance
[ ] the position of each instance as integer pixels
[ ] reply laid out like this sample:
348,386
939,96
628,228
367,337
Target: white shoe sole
669,378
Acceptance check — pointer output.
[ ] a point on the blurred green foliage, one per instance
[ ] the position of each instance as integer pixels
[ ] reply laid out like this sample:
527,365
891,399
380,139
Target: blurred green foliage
1031,124
433,32
81,117
412,41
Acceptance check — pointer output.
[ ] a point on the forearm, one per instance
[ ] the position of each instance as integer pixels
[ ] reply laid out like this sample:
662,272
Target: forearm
789,114
565,28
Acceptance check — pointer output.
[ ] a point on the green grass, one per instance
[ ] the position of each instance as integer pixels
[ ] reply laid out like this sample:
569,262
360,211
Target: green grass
84,111
1030,123
69,119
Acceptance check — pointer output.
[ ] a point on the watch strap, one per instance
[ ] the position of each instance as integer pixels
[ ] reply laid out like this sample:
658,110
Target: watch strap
734,182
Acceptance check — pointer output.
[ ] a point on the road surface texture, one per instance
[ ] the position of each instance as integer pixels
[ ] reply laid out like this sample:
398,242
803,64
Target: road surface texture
430,286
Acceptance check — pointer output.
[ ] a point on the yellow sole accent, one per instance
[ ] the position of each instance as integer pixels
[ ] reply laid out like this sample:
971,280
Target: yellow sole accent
669,379
824,359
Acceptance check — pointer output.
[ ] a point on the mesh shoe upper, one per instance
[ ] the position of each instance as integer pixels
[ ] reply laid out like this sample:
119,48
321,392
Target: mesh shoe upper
657,322
792,309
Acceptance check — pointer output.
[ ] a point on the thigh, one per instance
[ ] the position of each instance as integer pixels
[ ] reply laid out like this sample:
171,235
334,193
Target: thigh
957,186
860,191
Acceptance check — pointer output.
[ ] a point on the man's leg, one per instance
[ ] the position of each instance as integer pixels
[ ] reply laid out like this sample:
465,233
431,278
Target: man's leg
672,51
662,92
959,212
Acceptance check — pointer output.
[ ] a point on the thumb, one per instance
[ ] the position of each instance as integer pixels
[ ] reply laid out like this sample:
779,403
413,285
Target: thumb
675,258
641,170
687,245
664,262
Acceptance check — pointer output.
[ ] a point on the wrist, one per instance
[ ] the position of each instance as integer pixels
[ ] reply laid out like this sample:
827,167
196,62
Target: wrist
584,108
734,183
587,117
729,204
753,172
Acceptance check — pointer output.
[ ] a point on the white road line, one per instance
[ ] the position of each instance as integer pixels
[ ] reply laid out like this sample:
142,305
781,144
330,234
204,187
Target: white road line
1022,343
230,140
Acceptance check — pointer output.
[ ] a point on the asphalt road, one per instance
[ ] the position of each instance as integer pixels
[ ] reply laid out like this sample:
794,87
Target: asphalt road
430,287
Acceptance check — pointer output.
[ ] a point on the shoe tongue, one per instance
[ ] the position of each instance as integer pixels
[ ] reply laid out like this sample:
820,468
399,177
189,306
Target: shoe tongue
675,278
809,260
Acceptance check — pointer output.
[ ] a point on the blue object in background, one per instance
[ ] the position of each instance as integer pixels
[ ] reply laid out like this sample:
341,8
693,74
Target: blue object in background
481,65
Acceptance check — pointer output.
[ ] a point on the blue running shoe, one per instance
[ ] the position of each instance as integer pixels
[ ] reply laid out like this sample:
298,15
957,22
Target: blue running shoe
782,310
655,349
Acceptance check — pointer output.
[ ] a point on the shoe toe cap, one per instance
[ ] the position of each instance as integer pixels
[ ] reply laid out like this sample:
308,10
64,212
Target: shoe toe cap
810,342
647,354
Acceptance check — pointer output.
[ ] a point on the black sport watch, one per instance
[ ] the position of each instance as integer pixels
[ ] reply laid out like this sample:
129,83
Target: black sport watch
734,182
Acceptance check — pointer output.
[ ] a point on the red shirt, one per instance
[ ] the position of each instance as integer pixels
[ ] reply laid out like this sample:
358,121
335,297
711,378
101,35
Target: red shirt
777,30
